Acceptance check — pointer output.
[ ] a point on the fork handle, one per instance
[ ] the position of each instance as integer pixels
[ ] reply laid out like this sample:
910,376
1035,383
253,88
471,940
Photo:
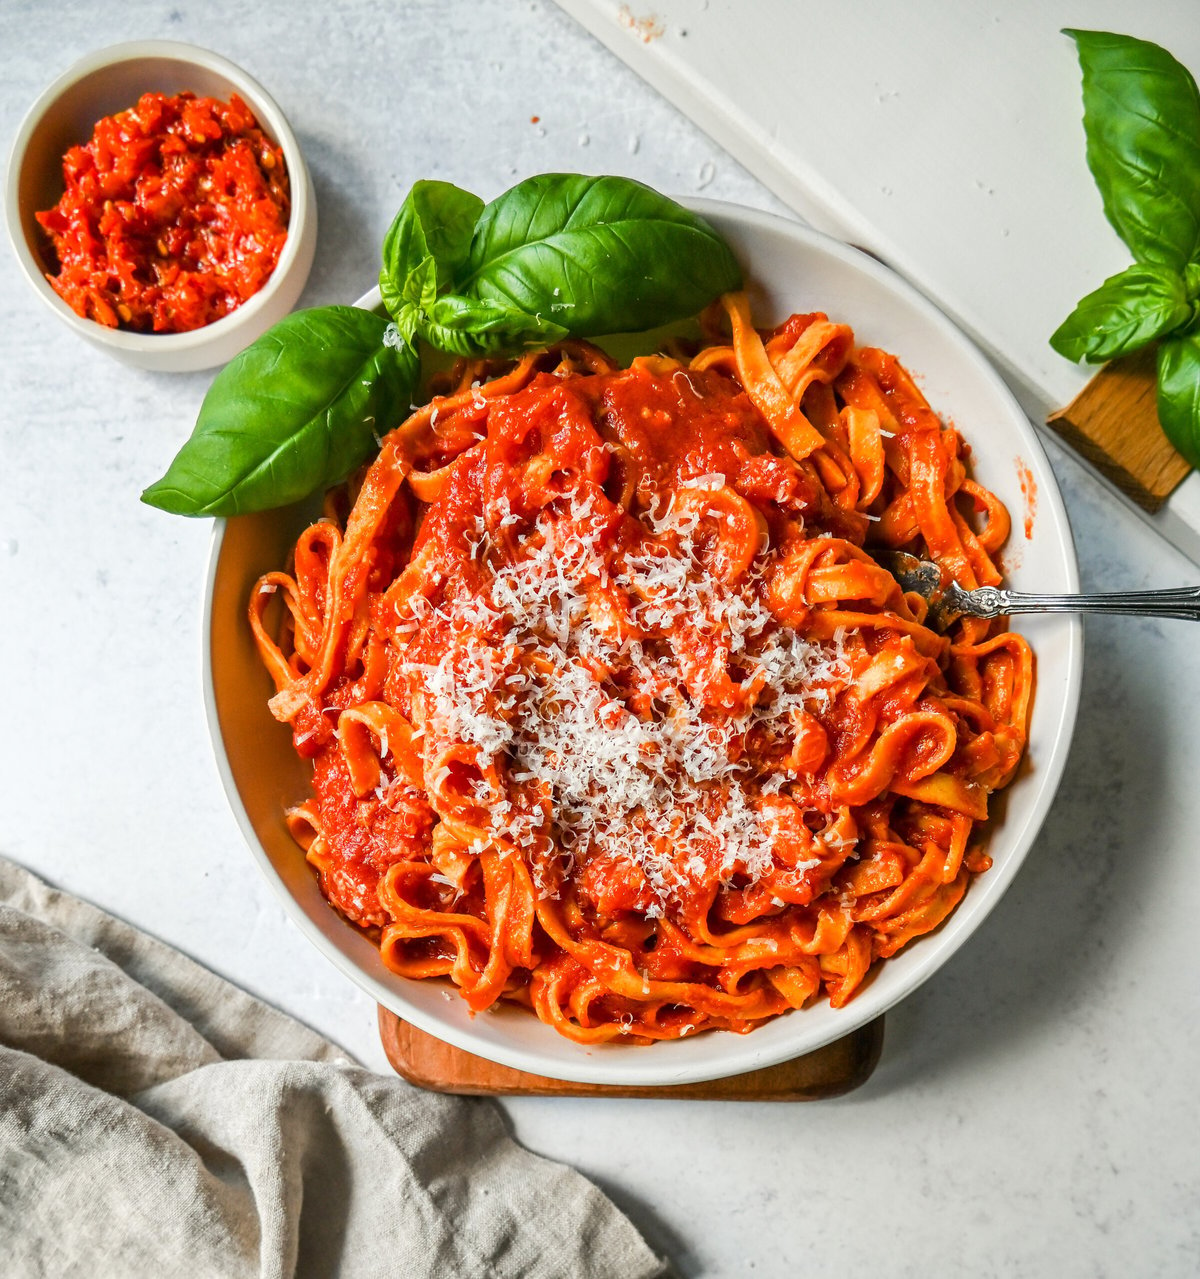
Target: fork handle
993,601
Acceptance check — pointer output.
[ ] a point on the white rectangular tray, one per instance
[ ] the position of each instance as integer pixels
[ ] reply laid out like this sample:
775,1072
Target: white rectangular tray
944,136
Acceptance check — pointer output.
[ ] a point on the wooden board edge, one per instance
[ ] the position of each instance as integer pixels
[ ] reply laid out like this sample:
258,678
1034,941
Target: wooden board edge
1113,424
831,1071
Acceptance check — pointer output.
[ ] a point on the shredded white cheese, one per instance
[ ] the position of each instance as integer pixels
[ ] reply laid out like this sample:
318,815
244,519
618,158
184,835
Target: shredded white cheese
633,733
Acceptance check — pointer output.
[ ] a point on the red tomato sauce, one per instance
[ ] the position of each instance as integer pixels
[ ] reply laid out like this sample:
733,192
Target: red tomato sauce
173,215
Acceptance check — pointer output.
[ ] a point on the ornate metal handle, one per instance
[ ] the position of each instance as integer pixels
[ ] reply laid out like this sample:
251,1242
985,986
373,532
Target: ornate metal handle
991,601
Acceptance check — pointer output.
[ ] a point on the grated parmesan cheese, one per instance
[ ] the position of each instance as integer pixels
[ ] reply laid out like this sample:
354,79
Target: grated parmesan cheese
633,739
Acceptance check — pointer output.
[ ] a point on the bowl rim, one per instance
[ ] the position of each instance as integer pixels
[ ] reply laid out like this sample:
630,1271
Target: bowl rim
270,118
643,1067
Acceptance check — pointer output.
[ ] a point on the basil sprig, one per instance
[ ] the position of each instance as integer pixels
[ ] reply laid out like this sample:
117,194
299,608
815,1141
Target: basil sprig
300,407
1141,116
558,255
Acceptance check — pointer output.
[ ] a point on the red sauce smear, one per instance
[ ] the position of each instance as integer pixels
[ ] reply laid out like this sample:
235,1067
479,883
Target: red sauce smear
174,214
1029,493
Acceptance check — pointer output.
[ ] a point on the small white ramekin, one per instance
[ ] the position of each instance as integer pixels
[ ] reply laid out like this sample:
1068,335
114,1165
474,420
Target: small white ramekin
112,80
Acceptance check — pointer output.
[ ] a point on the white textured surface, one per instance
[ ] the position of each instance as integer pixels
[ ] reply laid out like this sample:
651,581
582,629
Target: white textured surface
1034,1112
947,141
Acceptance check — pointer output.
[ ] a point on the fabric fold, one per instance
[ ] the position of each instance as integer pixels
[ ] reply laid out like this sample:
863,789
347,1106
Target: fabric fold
156,1120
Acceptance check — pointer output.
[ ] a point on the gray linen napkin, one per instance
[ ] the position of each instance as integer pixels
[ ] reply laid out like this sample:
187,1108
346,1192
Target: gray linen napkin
157,1121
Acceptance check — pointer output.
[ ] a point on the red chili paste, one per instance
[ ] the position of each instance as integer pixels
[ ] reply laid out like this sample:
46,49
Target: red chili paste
174,214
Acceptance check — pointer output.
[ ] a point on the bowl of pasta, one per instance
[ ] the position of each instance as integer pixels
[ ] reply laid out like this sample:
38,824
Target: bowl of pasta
584,730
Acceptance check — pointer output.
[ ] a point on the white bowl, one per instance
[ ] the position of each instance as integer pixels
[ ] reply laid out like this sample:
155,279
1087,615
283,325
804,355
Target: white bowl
112,80
789,269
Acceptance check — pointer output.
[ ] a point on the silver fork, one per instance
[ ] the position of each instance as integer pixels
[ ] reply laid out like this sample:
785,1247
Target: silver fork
948,601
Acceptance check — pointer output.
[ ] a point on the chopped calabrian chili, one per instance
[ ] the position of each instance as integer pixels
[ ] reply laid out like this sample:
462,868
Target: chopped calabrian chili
174,214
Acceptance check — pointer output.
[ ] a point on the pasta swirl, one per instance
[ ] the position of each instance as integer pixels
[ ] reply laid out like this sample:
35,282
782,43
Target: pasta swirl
611,711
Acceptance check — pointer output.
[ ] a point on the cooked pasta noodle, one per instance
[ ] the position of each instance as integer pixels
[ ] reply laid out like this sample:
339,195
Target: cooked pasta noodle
610,711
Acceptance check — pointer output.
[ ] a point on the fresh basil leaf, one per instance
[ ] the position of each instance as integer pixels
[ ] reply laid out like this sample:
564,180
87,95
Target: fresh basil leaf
1179,393
427,243
408,322
296,411
420,291
1191,281
1124,313
464,326
1141,114
410,309
595,255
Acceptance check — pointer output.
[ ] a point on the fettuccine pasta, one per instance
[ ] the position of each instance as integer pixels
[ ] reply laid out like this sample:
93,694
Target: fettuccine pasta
610,712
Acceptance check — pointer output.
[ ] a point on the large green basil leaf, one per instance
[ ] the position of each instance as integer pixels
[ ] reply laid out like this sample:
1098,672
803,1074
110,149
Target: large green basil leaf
1179,393
1141,114
297,410
427,243
595,255
1124,313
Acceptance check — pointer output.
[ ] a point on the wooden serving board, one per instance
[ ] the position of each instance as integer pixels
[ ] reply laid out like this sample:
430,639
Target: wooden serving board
1113,423
827,1072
